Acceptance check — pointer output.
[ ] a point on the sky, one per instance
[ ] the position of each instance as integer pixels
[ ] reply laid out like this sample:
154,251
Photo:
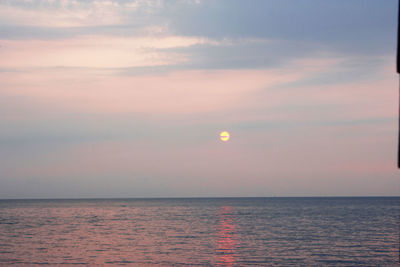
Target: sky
111,98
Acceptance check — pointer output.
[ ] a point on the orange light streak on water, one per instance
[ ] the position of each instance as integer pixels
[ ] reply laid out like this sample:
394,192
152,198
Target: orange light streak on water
226,248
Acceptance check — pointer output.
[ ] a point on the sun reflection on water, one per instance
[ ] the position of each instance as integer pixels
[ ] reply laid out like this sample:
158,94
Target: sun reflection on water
226,248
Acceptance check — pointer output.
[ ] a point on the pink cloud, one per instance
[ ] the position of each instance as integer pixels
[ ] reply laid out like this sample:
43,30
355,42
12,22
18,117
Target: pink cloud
102,92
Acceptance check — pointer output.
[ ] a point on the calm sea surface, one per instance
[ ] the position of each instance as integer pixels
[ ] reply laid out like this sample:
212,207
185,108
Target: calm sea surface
206,232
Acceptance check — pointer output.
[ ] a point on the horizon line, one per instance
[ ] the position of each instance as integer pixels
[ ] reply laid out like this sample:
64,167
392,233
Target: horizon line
196,197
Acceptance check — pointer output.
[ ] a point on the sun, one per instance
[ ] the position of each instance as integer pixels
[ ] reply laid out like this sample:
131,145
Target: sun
224,136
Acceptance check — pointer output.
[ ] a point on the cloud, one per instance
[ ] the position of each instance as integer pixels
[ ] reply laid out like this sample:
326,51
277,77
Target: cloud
63,14
362,27
94,52
102,92
345,26
142,34
244,100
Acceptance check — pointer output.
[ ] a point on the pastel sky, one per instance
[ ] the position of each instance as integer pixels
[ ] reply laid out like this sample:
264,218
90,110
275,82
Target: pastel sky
127,98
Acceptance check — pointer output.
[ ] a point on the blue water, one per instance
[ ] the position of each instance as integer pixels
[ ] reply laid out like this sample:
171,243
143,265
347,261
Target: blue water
205,232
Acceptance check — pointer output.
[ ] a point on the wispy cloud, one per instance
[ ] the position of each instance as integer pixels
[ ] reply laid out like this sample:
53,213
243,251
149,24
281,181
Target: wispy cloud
67,13
95,52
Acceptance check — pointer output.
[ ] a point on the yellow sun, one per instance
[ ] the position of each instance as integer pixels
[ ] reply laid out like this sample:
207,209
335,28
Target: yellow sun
224,136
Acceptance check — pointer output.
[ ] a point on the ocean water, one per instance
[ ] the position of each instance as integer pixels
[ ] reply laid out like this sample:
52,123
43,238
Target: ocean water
205,232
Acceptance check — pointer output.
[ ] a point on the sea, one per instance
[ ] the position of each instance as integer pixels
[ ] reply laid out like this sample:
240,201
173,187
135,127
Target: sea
276,231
